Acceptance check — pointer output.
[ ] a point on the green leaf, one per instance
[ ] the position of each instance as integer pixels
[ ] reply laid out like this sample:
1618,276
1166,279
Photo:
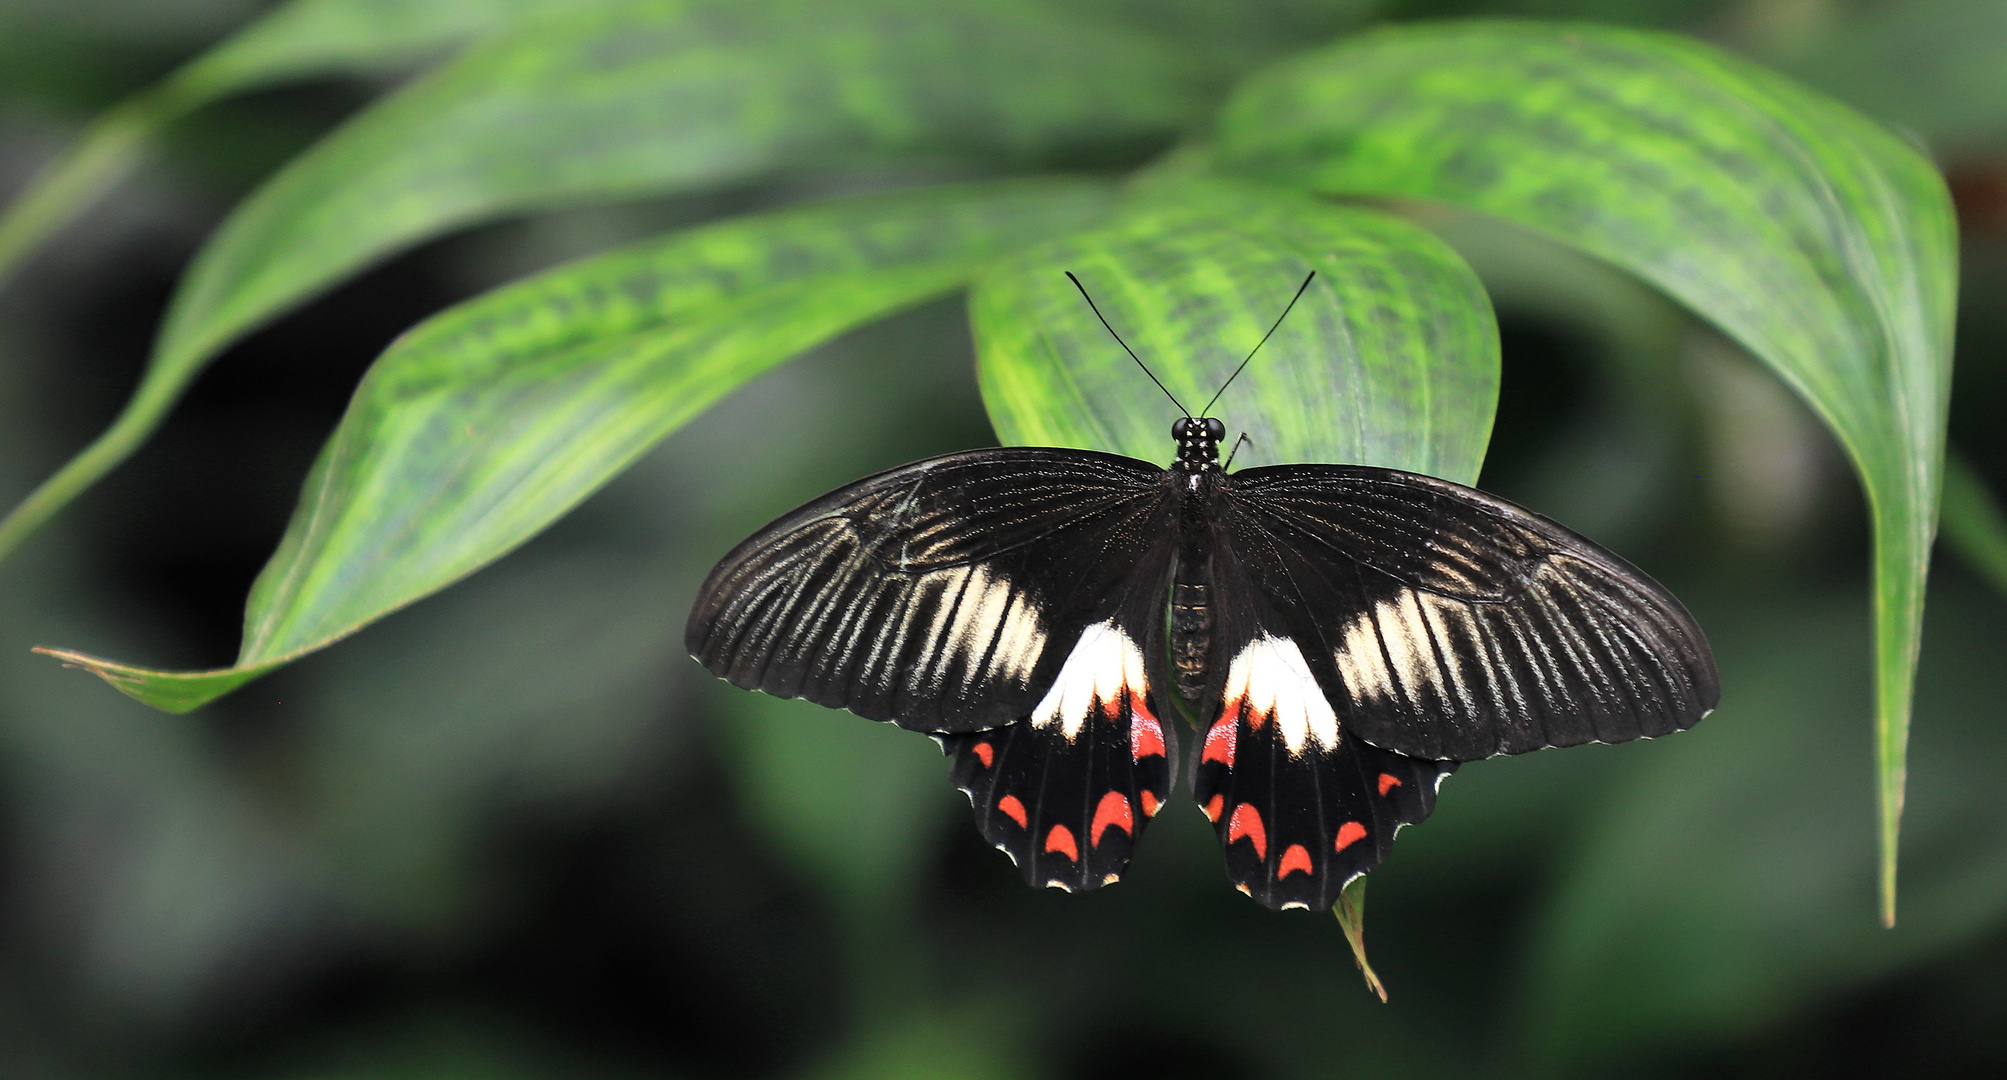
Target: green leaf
1390,358
645,97
489,421
661,96
1351,912
304,38
1820,242
296,40
315,37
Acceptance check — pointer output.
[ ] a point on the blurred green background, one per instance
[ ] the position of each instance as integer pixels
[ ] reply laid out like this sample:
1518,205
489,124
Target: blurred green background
514,832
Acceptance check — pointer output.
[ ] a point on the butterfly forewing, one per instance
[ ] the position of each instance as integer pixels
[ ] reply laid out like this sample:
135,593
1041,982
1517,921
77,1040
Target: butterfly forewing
1443,623
944,595
1008,601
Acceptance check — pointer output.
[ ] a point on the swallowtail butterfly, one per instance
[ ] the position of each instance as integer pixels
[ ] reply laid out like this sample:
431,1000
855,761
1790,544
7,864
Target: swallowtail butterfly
1345,636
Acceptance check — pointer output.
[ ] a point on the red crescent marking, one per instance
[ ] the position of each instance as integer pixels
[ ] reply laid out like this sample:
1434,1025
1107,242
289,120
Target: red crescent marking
1296,858
1246,822
988,755
1150,803
1388,782
1112,813
1060,839
1348,834
1146,736
1213,806
1009,807
1219,743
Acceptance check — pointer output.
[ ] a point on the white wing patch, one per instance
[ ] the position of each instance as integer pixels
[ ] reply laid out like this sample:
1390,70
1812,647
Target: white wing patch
1103,663
1393,648
997,613
1272,679
982,624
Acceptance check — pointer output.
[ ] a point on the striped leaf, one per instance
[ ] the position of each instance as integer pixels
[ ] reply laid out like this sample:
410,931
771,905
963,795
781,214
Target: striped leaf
489,421
1819,241
1390,358
640,97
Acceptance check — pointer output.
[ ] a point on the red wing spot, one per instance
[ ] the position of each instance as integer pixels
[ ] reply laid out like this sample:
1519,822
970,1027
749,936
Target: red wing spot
1060,839
1246,822
1213,806
988,756
1244,890
1111,879
1009,807
1348,834
1388,782
1146,736
1296,858
1112,813
1150,803
1219,743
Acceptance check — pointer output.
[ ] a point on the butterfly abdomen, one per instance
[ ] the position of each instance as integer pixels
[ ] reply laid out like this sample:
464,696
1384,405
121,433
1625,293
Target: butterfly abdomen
1191,636
1191,588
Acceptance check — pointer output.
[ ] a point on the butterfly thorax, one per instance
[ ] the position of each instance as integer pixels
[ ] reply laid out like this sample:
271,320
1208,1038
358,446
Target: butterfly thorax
1197,473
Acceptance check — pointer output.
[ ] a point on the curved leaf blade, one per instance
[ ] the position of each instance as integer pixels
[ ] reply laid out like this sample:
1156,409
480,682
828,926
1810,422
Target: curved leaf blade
656,96
295,40
489,421
1820,242
1390,358
313,37
648,97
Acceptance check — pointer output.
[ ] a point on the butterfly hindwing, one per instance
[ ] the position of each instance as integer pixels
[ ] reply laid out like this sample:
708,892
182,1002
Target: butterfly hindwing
944,595
1300,805
1067,790
1444,623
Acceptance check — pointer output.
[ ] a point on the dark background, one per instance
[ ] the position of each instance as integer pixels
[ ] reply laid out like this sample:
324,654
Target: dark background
514,832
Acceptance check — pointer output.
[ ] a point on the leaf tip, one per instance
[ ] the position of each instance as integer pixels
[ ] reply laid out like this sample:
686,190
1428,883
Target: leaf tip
1351,912
103,669
168,691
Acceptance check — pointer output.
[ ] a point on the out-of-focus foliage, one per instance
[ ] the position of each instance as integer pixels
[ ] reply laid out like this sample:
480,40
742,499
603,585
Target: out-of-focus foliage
510,831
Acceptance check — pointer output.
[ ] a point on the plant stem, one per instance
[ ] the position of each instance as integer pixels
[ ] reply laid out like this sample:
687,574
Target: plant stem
140,417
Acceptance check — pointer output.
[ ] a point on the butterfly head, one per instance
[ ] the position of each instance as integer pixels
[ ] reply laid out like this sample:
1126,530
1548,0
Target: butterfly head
1198,439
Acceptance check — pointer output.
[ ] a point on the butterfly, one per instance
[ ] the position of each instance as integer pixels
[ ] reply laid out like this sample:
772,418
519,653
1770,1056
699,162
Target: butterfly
1343,637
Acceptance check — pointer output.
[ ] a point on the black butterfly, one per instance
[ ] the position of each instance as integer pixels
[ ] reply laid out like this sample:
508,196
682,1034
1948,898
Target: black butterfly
1344,634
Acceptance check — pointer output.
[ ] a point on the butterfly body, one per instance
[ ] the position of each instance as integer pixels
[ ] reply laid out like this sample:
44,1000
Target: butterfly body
1344,636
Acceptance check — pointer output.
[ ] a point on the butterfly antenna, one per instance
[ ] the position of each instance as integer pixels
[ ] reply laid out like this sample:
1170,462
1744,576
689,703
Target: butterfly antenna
1182,411
1258,344
1236,449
